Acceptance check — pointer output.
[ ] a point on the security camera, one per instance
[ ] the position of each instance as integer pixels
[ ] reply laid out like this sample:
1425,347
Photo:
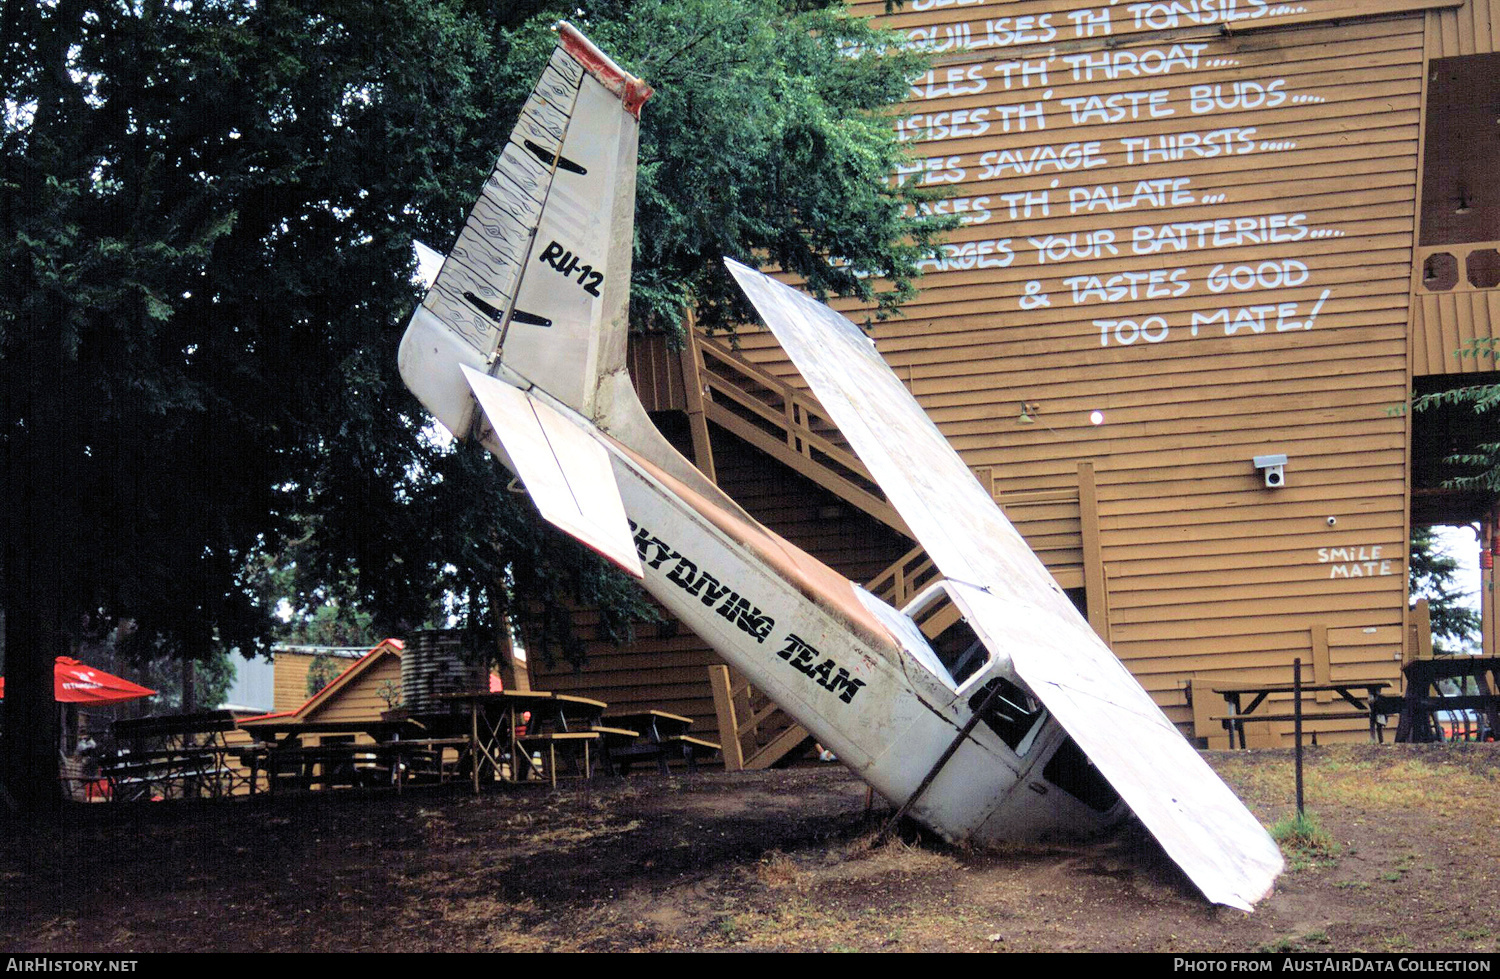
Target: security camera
1332,521
1273,468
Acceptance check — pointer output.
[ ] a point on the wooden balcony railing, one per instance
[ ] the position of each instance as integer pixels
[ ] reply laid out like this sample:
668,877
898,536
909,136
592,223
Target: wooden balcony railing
1455,302
787,424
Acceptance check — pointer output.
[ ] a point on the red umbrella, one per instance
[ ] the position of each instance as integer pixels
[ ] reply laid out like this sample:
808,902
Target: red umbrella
78,683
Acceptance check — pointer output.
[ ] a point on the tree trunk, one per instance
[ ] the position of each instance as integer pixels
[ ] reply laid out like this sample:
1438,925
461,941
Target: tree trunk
189,692
36,495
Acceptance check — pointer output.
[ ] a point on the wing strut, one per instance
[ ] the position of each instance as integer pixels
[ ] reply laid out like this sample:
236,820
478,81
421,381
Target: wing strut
939,765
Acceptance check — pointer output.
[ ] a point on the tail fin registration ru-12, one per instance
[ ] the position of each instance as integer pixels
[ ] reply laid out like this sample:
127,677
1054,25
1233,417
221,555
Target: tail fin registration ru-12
1013,723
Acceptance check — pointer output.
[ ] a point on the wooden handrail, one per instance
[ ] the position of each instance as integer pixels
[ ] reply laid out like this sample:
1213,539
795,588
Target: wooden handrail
758,718
790,409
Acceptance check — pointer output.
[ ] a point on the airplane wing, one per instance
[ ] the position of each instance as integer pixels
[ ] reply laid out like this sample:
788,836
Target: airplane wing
565,470
1016,606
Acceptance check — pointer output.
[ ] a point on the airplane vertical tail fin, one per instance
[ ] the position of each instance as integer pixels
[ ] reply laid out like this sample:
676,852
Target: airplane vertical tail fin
539,279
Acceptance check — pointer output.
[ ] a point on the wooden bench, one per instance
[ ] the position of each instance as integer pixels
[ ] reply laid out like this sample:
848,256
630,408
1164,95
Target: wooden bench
421,759
613,741
663,735
569,741
137,775
1241,714
181,754
333,765
1233,721
692,748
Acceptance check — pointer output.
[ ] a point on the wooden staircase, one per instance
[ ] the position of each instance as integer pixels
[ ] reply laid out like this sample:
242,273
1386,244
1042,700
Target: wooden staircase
789,425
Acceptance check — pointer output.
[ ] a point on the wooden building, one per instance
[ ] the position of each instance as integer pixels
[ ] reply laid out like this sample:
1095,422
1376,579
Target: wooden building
368,684
294,663
1197,233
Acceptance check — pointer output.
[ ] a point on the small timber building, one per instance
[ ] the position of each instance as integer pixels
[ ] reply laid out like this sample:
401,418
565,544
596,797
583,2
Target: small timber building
1210,248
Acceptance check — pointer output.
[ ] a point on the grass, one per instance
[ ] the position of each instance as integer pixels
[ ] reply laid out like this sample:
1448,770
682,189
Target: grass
778,871
1335,775
1304,841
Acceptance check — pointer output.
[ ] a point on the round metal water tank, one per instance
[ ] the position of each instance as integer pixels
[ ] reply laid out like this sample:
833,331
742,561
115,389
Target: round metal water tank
436,662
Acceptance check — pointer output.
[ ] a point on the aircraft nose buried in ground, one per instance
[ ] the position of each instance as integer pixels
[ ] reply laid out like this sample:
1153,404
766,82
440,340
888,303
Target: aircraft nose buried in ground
1012,722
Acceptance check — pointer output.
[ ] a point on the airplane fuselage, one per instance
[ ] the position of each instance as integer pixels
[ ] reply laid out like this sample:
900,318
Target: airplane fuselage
801,634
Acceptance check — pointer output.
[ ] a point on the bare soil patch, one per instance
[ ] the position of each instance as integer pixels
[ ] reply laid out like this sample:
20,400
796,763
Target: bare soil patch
762,861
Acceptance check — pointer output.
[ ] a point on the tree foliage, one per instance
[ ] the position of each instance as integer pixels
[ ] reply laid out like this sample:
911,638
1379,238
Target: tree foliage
763,142
205,215
204,224
1474,464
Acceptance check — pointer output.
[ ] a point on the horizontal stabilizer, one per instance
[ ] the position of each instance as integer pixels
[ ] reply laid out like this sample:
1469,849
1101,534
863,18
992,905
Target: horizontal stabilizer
1016,605
565,470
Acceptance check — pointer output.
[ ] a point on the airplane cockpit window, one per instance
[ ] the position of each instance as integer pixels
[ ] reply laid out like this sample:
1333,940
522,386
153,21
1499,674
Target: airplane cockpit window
1071,770
948,647
1013,714
960,651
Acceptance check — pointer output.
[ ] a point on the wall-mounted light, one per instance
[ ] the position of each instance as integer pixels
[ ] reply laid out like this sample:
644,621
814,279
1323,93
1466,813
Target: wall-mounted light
1273,468
1029,411
1096,417
1464,201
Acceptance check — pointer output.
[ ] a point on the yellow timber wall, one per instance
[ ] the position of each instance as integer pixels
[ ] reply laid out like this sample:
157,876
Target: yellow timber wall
1203,229
1473,28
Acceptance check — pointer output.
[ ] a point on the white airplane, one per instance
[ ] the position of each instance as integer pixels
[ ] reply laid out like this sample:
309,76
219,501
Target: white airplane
1015,723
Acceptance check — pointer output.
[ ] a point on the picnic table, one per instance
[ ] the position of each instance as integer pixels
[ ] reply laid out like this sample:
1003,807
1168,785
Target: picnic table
175,755
508,731
1239,712
393,754
660,735
1419,708
566,727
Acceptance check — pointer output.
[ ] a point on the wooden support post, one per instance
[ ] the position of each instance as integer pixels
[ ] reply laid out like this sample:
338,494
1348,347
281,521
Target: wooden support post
729,740
1487,619
692,383
1297,724
1487,607
1422,620
474,745
1204,703
1322,669
1093,553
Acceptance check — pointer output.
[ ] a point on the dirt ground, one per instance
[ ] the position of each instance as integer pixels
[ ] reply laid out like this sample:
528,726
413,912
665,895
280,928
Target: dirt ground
776,860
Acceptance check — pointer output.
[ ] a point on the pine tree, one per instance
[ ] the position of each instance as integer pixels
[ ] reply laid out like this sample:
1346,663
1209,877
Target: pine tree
1455,625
